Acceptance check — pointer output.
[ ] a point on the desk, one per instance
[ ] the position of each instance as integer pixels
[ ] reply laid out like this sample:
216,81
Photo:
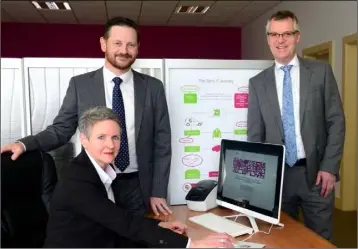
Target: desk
294,234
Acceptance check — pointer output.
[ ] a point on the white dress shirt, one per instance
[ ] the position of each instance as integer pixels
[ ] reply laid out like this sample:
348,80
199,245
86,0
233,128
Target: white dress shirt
295,80
127,89
107,176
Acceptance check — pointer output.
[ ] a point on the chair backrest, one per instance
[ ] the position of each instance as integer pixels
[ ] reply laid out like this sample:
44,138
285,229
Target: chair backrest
26,189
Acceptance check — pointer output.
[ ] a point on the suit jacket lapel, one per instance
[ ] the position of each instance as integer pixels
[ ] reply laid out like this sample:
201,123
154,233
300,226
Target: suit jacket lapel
272,95
140,85
97,88
91,172
305,81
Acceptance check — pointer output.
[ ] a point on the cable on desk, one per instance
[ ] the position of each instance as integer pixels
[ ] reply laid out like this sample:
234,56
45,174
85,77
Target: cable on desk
280,225
269,232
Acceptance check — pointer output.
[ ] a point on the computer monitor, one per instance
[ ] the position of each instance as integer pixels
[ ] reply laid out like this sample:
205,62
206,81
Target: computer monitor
251,179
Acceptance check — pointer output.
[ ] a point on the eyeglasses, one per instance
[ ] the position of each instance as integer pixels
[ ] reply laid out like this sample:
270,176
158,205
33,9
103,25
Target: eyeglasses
285,35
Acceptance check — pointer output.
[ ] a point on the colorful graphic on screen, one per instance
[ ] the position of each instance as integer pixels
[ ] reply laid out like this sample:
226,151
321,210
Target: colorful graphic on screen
249,168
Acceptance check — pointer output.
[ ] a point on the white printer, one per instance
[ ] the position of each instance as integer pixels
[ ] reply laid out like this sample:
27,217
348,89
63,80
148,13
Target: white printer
202,197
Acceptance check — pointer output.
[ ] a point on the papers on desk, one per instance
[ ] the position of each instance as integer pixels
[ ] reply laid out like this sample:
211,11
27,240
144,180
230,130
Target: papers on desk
243,244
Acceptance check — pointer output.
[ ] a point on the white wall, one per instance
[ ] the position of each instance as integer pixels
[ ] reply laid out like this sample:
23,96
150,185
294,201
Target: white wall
320,21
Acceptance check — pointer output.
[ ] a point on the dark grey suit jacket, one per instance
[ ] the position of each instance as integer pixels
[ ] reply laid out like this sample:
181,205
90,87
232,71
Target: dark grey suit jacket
321,115
152,126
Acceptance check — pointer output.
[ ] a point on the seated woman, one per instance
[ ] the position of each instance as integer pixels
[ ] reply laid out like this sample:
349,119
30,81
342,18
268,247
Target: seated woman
83,212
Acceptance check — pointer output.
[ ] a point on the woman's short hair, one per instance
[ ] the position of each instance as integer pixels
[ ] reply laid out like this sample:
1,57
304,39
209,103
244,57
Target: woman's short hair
93,115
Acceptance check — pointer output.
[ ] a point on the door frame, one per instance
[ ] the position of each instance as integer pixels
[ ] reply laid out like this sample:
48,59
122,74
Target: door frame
319,48
347,40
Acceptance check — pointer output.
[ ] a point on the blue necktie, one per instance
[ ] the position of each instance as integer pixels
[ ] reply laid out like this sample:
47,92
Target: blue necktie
288,119
122,159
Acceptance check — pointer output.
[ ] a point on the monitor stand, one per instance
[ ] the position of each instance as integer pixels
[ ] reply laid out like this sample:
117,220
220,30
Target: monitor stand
251,219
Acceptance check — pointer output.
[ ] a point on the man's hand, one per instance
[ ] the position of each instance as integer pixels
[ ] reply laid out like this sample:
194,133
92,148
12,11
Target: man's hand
16,148
175,226
159,205
328,182
216,240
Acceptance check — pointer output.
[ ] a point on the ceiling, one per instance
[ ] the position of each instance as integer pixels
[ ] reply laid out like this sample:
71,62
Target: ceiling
161,13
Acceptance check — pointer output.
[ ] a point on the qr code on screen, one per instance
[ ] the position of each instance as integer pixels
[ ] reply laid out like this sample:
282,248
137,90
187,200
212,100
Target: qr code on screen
249,167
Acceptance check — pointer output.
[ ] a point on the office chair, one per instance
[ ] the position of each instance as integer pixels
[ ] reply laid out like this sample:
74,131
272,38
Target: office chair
26,189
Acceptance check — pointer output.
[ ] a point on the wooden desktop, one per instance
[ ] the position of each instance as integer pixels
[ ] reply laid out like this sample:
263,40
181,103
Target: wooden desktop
293,234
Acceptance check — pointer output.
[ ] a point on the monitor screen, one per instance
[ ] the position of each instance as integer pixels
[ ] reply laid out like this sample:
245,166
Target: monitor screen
250,177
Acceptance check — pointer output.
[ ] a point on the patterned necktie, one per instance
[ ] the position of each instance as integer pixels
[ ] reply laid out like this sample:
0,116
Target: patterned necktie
288,119
122,159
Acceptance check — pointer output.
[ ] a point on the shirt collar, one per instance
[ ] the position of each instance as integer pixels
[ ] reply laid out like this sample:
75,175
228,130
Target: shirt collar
107,175
109,75
294,62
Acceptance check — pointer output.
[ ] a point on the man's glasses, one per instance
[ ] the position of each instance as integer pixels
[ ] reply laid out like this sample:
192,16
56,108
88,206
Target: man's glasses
286,35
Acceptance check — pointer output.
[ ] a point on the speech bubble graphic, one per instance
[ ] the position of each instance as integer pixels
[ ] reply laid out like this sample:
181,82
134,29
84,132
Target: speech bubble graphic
241,124
186,140
192,160
243,89
189,88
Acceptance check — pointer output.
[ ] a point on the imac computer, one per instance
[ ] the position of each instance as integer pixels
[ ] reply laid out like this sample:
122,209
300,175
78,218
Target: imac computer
250,182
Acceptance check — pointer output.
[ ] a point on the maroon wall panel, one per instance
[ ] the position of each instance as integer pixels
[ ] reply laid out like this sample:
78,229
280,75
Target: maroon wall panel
82,41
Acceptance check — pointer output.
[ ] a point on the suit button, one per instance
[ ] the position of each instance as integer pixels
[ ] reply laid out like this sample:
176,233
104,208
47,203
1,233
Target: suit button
161,241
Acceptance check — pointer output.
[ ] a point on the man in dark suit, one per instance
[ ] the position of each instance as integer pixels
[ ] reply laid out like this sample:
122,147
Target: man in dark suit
83,211
139,101
296,102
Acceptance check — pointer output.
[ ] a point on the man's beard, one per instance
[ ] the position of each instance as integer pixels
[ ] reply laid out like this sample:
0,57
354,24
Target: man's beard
121,65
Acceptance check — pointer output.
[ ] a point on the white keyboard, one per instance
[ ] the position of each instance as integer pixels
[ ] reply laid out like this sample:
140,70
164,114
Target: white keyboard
220,224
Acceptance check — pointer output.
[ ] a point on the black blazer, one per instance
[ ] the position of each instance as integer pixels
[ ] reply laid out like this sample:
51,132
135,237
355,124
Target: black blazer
81,215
